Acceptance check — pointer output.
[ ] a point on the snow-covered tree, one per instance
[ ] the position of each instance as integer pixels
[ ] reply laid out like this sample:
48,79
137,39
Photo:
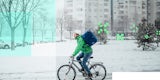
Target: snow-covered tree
60,23
146,33
12,13
1,26
102,32
27,7
15,12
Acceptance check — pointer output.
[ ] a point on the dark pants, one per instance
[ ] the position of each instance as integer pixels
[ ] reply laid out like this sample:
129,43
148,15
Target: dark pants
84,61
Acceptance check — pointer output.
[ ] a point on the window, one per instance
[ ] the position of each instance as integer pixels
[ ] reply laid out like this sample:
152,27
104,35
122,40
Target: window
149,13
95,4
143,3
80,15
89,4
143,7
122,17
158,3
105,4
133,2
92,0
69,1
89,21
100,10
121,12
95,16
69,5
158,13
79,9
69,16
143,12
89,10
69,10
95,10
105,10
106,0
79,21
126,6
105,16
121,6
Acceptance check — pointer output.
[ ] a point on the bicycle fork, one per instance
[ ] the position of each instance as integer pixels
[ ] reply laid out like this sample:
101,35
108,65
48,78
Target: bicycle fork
68,70
67,73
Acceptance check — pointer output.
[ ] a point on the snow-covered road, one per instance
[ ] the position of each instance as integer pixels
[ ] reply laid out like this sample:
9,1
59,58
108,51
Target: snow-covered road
117,56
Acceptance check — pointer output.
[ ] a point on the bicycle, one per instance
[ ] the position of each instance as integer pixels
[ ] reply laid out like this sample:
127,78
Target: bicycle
69,73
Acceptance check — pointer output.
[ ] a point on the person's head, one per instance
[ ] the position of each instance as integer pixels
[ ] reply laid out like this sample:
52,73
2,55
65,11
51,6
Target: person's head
76,35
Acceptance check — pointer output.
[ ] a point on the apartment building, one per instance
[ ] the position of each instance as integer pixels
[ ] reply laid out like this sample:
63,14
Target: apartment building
128,13
86,14
153,10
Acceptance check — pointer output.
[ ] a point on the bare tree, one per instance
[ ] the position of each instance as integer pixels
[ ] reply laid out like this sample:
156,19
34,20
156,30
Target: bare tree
28,6
60,23
125,22
33,29
69,25
14,12
43,27
1,25
1,28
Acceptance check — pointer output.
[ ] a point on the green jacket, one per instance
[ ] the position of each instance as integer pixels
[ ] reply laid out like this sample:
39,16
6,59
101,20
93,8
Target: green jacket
82,46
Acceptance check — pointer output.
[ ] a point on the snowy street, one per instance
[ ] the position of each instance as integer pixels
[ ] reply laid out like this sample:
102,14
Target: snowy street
117,56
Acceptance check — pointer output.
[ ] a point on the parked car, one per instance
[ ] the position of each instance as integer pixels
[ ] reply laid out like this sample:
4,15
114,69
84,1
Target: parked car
4,45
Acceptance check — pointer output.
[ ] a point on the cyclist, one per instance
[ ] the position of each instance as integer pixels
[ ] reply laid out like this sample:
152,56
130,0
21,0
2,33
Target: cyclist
86,52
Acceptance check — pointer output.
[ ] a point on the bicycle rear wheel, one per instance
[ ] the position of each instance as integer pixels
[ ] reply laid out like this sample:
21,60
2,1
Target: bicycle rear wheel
66,72
98,71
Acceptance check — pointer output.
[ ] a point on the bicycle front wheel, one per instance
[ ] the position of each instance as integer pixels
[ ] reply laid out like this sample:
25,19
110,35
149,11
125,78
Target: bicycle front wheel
98,71
66,72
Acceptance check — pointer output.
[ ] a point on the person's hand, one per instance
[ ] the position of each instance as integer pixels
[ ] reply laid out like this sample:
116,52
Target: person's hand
72,57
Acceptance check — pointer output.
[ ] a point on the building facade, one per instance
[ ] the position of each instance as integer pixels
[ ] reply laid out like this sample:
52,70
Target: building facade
86,14
128,13
153,10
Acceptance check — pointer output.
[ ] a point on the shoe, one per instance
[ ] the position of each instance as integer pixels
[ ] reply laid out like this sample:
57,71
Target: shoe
90,75
82,70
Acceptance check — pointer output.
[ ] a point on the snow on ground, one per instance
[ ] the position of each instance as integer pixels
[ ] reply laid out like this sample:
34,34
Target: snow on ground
46,58
27,68
117,56
45,49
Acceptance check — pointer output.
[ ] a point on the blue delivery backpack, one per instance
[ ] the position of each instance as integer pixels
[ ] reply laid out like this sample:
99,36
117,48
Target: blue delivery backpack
89,38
